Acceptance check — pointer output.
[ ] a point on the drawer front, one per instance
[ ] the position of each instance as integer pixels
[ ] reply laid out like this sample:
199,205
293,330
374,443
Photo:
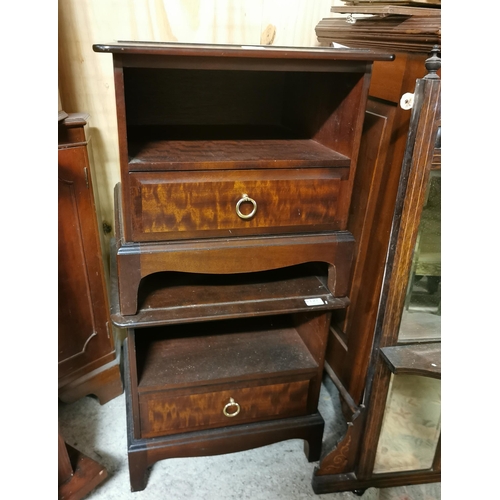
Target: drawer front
161,415
178,205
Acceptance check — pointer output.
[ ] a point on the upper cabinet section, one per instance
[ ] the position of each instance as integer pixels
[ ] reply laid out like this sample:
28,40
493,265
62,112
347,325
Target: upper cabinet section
189,106
207,130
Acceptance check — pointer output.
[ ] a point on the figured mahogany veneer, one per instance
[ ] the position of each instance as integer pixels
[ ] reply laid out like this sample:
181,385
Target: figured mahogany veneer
181,205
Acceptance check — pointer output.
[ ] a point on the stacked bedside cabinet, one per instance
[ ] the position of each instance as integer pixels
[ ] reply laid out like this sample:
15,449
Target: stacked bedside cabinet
237,166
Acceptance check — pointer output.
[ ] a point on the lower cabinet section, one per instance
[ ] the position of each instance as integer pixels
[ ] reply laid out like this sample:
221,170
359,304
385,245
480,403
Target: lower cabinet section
257,379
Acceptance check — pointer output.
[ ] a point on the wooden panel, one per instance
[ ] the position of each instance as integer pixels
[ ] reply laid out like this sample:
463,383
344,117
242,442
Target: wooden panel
336,351
313,330
374,197
64,468
83,314
195,204
232,154
162,414
390,80
73,279
86,476
419,359
370,186
170,296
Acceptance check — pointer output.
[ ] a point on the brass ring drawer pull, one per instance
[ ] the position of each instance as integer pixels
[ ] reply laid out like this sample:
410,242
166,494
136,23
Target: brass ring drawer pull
230,405
244,199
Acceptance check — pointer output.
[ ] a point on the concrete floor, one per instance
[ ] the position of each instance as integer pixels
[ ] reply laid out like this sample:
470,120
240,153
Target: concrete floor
275,472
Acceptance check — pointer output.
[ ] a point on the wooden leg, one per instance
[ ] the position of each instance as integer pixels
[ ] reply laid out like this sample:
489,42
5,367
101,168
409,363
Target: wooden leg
312,444
138,467
86,474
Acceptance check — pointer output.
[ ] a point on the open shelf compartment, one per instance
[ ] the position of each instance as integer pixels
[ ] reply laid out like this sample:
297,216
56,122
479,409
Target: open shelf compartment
228,119
176,297
201,354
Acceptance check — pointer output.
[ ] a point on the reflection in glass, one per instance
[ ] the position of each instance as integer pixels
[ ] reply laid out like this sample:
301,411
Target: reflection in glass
411,426
421,318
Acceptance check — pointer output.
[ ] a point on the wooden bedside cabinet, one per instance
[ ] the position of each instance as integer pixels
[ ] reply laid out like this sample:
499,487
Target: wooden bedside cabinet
231,251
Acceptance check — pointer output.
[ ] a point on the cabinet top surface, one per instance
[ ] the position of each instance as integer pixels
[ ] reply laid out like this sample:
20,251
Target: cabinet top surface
241,51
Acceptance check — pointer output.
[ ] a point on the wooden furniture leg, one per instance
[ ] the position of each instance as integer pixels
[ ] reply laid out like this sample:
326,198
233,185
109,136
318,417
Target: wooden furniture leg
78,474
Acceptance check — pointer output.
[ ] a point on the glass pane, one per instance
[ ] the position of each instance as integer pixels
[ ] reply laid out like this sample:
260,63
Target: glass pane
411,426
421,319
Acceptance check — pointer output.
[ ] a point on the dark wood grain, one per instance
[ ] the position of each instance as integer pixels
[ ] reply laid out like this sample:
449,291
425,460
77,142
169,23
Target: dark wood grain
171,414
219,352
232,154
64,468
418,359
78,474
186,374
417,163
224,257
368,219
143,453
373,202
313,330
86,346
397,156
384,32
132,375
350,482
178,205
221,51
179,297
100,380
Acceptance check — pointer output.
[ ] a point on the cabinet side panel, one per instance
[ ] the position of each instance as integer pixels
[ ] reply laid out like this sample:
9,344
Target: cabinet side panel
83,305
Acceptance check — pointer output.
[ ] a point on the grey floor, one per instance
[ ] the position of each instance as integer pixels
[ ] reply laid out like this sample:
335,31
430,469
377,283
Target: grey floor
275,472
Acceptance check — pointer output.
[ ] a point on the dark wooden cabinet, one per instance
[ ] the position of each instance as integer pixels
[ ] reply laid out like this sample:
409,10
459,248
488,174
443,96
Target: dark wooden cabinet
88,360
232,249
388,366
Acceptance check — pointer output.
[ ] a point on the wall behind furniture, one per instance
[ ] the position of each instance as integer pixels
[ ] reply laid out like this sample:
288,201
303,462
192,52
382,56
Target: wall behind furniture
86,77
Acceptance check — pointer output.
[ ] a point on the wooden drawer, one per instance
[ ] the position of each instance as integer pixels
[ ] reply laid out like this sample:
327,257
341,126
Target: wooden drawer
194,204
185,379
163,414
